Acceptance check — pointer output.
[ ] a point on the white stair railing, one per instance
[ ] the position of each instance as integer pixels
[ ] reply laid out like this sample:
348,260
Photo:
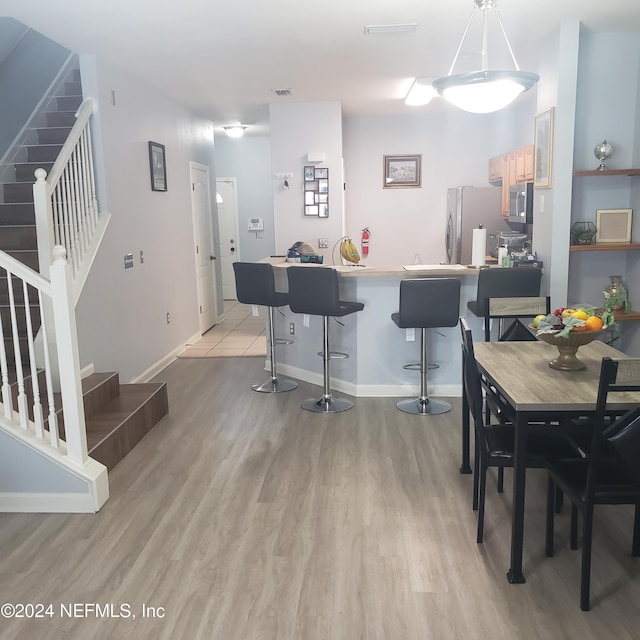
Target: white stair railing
24,380
66,205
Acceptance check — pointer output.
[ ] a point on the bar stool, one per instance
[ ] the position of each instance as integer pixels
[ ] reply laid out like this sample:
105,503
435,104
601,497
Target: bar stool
427,303
503,283
255,284
314,291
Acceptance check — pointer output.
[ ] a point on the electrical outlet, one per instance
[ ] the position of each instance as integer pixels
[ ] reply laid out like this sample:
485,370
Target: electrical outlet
292,328
323,243
128,260
168,318
410,335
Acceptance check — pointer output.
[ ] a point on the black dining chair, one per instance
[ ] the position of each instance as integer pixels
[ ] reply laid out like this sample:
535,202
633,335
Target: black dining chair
609,475
494,443
509,313
503,283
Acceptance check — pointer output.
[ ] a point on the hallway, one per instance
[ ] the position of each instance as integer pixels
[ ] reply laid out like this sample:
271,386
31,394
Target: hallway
240,334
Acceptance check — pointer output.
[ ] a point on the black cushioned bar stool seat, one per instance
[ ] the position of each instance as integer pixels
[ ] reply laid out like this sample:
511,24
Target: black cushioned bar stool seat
503,283
255,285
315,291
427,303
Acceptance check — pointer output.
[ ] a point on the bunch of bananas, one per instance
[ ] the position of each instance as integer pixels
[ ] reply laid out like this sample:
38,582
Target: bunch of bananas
348,251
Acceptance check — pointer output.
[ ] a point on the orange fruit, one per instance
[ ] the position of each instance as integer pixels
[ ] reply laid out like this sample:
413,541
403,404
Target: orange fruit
593,323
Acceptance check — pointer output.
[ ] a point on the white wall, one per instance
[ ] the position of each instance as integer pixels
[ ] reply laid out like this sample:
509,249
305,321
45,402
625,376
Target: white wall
455,148
296,130
248,159
122,314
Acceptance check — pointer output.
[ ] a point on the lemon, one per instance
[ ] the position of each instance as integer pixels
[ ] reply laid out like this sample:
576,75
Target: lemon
536,321
580,315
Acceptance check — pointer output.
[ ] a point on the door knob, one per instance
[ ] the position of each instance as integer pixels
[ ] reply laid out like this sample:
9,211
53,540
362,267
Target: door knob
233,249
212,257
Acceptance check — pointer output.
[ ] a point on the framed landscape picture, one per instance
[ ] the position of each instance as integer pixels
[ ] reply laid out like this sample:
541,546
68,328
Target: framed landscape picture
402,171
543,149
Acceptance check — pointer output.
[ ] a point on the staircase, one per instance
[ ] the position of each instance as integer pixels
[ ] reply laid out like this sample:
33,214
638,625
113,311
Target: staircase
117,416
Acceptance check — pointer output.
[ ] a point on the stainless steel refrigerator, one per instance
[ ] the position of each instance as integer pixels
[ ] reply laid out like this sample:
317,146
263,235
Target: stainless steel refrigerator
467,209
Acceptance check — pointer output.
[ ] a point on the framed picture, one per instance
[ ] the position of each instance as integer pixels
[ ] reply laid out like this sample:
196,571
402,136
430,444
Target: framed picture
311,211
158,166
309,173
322,172
613,225
543,149
402,172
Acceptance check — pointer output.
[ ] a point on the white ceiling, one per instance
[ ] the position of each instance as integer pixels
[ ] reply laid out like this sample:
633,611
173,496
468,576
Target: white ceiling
223,58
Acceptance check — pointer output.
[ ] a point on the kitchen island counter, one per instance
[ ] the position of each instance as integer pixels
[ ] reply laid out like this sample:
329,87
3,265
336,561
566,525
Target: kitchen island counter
378,349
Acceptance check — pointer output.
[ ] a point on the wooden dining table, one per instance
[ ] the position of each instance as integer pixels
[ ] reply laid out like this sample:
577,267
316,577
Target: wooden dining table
520,372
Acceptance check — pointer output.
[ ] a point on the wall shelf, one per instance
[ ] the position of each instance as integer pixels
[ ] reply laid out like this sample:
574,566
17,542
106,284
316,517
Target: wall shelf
613,246
620,316
607,172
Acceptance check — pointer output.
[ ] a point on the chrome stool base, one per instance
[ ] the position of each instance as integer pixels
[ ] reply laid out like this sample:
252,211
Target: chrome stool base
424,406
275,385
326,404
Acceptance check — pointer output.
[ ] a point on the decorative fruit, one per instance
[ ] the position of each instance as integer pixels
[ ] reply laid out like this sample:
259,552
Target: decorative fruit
536,321
567,312
593,323
579,327
581,315
558,311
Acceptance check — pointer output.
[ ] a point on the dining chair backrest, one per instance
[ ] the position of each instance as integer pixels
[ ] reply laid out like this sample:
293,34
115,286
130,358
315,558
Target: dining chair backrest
617,376
471,375
506,283
623,436
515,308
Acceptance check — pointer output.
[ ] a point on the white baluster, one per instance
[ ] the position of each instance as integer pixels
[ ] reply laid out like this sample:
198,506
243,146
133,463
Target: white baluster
7,403
54,437
38,418
17,356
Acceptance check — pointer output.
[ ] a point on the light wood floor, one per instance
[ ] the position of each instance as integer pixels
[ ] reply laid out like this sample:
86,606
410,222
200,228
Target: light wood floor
246,518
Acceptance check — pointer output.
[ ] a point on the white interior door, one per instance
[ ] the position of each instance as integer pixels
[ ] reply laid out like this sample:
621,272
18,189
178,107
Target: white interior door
228,228
203,240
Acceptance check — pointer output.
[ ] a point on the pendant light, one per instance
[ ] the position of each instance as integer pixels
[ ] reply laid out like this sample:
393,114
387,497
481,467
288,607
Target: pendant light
486,90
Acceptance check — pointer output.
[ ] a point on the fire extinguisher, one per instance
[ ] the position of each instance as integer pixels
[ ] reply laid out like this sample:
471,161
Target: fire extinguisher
364,241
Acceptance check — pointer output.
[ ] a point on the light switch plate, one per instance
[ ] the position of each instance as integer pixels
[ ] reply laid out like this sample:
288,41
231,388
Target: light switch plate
410,335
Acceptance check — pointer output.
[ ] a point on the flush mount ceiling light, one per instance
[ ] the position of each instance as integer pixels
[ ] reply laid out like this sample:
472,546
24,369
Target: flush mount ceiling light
421,92
486,90
235,130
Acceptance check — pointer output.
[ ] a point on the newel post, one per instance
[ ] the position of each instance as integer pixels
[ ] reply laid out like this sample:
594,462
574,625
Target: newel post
44,220
68,356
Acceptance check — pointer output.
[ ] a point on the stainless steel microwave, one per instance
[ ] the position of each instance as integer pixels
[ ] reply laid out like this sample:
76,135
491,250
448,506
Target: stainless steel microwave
521,203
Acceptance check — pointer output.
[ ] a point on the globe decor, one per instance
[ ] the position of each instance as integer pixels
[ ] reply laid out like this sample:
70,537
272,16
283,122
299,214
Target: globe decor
568,330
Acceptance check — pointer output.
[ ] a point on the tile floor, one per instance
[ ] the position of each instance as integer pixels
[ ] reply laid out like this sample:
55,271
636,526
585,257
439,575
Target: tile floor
240,334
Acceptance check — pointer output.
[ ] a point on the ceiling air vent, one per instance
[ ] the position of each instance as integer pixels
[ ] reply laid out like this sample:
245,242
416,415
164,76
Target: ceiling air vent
282,92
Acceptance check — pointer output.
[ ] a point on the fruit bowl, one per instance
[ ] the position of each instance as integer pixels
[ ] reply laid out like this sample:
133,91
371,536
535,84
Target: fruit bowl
567,348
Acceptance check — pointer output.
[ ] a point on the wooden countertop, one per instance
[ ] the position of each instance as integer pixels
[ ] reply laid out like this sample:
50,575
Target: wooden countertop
412,271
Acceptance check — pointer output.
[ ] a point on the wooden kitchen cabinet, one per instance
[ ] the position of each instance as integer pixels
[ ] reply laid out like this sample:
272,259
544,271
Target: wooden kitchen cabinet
495,169
524,164
509,171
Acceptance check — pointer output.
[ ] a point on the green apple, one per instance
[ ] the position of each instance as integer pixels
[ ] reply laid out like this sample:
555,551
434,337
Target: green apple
536,321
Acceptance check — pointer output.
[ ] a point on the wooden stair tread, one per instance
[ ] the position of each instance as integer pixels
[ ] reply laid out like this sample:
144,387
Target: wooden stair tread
120,425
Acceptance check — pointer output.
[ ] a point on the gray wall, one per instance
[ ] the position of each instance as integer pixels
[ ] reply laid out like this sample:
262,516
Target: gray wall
25,76
248,159
122,314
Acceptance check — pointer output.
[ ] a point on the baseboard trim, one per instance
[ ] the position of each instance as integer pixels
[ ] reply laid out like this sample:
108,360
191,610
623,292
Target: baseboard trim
163,363
47,503
371,390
